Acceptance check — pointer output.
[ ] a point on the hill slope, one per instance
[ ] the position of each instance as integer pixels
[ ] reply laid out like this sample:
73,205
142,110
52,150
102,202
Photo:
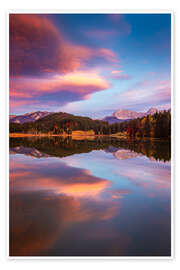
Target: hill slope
58,123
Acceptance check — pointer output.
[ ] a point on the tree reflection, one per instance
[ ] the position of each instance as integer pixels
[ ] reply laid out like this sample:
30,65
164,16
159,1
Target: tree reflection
62,147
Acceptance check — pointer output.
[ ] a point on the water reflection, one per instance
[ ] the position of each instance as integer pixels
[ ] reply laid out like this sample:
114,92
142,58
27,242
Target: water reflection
106,201
62,147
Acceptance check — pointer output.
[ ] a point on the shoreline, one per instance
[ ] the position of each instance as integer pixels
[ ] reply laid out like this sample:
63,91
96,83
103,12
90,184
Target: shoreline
16,135
24,135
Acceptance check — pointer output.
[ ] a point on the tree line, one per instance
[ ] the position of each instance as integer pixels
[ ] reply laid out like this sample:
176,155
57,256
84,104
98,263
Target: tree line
157,125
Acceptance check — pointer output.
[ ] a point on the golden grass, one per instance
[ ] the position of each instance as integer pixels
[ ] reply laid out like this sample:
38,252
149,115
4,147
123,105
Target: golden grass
83,133
75,134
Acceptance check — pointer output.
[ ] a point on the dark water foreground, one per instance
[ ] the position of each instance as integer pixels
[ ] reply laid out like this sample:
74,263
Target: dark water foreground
99,197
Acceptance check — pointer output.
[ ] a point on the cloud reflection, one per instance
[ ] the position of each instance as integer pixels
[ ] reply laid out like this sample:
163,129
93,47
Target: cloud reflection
60,179
44,202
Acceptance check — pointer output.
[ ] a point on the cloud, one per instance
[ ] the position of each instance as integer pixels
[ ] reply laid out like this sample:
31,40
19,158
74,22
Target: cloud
116,71
79,82
145,94
14,103
101,34
37,46
117,76
119,193
115,26
119,21
47,69
157,90
59,88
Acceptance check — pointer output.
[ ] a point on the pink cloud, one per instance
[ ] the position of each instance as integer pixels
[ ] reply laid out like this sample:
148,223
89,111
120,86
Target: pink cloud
163,89
16,94
42,62
116,71
107,54
81,82
34,40
23,90
118,76
119,193
148,93
20,103
101,34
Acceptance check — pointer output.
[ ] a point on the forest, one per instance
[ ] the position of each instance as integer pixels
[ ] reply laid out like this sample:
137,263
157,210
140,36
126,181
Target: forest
157,125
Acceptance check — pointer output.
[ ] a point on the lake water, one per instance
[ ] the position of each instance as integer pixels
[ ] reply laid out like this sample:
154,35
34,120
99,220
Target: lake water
92,197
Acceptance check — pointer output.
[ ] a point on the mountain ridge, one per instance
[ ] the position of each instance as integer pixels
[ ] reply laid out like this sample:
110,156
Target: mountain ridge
28,117
117,117
125,115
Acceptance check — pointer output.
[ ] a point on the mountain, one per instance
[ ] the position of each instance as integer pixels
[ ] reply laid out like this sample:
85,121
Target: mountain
127,114
123,115
117,117
152,111
28,117
113,119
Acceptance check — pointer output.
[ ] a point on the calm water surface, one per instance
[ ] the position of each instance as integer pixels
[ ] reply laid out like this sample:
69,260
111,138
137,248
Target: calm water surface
101,197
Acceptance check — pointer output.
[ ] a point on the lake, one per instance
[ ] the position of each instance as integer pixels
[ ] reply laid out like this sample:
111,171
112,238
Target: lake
91,197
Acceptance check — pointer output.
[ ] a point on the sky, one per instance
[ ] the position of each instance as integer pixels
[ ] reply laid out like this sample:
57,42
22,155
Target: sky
89,64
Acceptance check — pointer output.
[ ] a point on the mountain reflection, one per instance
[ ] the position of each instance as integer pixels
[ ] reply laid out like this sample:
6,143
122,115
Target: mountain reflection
62,147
